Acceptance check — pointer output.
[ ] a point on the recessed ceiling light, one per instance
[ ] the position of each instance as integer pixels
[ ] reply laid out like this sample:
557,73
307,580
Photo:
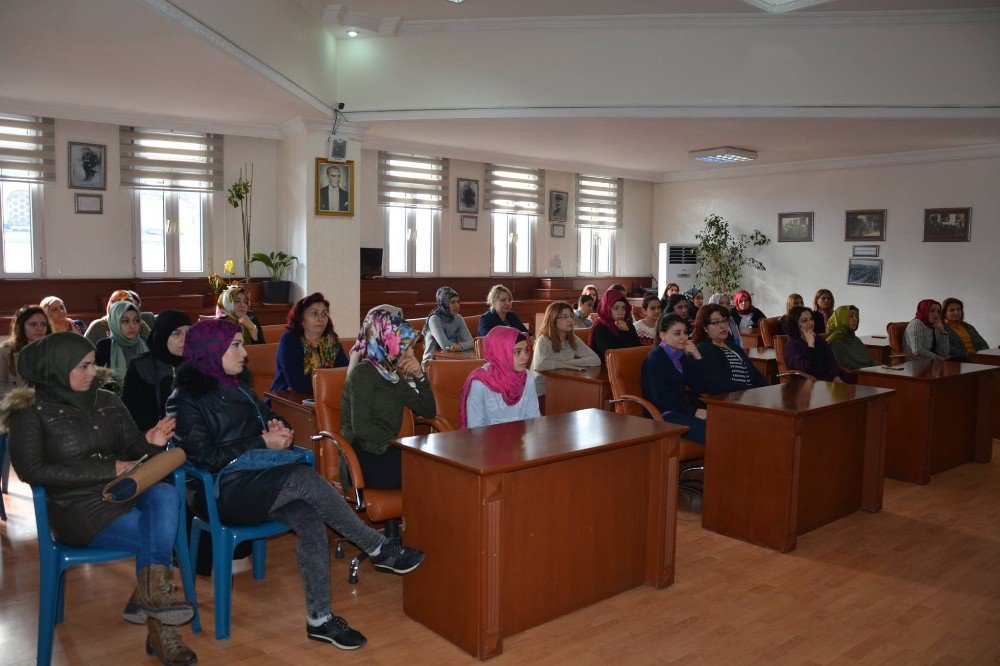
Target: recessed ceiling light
352,33
724,155
458,2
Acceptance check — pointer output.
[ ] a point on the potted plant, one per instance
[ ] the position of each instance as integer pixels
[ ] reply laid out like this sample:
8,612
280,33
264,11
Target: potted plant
240,195
276,288
722,255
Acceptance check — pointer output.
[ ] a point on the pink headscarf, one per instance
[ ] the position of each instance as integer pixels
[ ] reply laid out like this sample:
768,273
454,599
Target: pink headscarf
924,311
736,301
499,375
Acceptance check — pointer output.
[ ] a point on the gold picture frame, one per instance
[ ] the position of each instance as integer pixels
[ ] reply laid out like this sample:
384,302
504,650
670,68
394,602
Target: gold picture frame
345,195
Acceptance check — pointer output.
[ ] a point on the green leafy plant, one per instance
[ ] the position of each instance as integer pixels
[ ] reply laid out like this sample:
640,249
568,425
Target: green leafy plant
722,255
240,195
275,262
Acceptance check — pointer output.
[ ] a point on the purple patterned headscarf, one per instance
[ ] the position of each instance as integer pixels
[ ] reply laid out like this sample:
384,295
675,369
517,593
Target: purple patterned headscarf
385,337
205,345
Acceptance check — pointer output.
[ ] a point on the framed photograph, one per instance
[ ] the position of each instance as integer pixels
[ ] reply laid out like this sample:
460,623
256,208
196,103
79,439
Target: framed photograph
559,231
469,223
334,187
467,191
558,205
795,227
88,203
944,225
865,251
864,272
865,225
88,168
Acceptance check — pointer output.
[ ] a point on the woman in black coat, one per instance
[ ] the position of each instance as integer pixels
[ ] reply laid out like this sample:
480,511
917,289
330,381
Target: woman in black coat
150,376
722,367
663,378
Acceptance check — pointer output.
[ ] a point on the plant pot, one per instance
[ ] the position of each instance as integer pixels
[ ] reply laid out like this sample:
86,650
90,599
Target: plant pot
276,292
210,300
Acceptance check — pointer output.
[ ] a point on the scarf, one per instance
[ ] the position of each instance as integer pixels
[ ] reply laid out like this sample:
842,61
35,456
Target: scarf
838,326
736,301
119,364
674,355
323,355
924,311
383,339
166,323
498,374
605,317
224,308
46,365
443,297
205,345
716,298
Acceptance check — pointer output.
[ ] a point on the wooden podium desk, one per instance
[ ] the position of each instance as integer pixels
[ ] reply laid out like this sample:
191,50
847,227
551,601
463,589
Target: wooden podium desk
766,361
941,416
991,357
301,418
467,355
785,459
877,346
570,390
526,521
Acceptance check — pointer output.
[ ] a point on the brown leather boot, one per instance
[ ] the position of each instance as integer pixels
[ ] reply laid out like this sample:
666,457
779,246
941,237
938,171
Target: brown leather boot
156,596
132,612
165,643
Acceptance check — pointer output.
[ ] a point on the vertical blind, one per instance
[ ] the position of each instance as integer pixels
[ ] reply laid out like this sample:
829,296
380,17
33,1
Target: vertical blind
513,189
599,201
412,180
27,149
166,160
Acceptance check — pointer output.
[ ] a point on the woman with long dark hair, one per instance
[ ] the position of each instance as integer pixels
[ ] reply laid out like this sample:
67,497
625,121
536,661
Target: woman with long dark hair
723,367
806,350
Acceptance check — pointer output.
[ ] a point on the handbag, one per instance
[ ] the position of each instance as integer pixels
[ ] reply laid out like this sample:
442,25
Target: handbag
135,480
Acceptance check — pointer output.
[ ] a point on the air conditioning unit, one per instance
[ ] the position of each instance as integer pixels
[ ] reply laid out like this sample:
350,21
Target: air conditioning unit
677,263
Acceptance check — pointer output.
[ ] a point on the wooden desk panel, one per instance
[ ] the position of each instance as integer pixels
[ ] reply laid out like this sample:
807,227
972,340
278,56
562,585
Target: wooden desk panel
570,390
752,338
491,505
941,417
467,355
766,361
877,346
301,418
991,357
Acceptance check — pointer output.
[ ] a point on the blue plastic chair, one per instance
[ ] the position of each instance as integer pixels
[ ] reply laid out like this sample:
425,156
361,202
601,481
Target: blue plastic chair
225,538
56,557
4,472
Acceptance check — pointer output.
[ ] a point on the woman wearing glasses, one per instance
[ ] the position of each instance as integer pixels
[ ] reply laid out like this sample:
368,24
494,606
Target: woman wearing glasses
614,328
558,347
723,367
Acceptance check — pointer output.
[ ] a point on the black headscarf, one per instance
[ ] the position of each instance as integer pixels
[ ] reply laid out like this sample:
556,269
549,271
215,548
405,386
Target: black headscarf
46,364
166,323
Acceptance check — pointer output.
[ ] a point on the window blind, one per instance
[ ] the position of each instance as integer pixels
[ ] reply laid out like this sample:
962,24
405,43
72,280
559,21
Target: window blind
514,189
166,160
27,149
412,180
599,201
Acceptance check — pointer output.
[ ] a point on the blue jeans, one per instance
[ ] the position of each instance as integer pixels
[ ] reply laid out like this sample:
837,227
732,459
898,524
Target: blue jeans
697,431
148,530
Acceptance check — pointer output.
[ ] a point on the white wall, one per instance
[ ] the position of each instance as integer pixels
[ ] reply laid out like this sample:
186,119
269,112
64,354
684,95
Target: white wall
912,269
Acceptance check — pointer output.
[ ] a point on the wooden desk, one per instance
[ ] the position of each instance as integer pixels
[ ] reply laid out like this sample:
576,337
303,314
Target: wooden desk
301,418
469,354
526,521
877,346
991,357
941,416
570,390
766,361
785,459
752,338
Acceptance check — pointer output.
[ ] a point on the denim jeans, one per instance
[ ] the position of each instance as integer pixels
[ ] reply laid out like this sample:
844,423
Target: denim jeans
307,504
697,431
148,530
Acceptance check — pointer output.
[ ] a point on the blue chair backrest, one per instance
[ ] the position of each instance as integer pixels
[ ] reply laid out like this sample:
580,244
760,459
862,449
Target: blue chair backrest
45,540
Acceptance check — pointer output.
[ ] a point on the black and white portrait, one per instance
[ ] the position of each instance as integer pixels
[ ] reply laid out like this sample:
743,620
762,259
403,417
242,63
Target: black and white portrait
864,272
947,224
468,195
334,187
865,225
795,227
87,167
558,205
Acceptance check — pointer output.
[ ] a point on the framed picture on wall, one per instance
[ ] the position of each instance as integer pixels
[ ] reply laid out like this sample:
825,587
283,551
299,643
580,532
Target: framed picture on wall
92,204
467,191
88,167
559,231
469,223
795,227
864,272
944,225
865,225
334,188
558,205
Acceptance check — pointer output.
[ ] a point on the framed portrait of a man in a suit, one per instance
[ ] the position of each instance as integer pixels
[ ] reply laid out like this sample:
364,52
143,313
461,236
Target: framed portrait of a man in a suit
334,187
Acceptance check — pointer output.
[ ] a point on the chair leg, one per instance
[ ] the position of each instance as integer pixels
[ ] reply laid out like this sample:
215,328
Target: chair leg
259,554
222,577
48,598
61,597
5,468
338,551
352,576
187,575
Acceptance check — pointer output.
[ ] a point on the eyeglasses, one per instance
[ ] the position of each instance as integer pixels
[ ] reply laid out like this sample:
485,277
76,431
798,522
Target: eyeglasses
716,322
565,316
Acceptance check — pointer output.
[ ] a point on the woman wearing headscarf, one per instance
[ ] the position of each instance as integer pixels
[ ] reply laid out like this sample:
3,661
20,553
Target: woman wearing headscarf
925,335
696,298
56,311
234,305
807,351
71,437
309,344
500,391
227,431
963,338
613,329
124,344
150,377
847,347
386,379
743,312
100,328
445,329
719,298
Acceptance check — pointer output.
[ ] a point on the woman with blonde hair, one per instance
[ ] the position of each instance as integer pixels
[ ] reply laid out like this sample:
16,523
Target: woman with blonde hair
234,305
501,301
823,306
558,347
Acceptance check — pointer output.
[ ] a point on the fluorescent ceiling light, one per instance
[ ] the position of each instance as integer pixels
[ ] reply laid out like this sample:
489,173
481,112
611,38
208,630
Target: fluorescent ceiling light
352,33
724,155
457,2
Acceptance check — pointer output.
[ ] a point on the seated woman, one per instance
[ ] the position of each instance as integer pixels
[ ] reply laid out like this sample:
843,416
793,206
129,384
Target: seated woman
150,376
125,343
377,390
663,378
100,329
28,324
234,305
225,430
842,337
743,312
696,299
807,351
558,347
445,329
963,338
645,328
823,306
671,289
793,301
723,367
614,328
679,304
56,311
718,298
310,343
501,300
926,335
584,312
591,290
72,438
500,391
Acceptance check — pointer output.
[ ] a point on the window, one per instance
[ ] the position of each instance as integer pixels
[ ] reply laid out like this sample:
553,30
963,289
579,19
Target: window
410,235
27,159
597,249
413,191
173,175
515,198
599,205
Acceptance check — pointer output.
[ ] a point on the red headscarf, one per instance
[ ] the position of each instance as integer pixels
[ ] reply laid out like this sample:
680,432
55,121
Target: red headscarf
605,317
499,375
924,311
736,301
